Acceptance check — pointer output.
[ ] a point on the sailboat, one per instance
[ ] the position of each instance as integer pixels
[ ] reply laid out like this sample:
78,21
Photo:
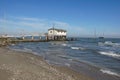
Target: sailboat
101,37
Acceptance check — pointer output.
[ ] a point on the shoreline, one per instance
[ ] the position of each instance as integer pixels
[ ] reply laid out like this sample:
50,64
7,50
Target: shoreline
16,65
83,71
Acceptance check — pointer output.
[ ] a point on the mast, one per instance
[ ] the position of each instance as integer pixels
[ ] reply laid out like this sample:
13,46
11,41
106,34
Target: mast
4,17
95,35
53,32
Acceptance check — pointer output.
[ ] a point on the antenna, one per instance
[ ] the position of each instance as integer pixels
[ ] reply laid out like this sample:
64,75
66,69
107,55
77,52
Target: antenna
53,25
103,35
53,30
95,33
4,22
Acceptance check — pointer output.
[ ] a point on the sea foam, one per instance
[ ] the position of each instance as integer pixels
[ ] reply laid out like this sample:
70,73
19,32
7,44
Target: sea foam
109,43
110,53
64,44
105,71
78,48
67,64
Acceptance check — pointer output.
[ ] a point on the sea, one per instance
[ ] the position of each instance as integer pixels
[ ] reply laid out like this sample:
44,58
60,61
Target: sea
97,58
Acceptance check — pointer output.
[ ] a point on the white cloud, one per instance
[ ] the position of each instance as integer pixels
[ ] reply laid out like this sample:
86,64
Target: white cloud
38,25
29,24
28,19
26,22
60,24
34,22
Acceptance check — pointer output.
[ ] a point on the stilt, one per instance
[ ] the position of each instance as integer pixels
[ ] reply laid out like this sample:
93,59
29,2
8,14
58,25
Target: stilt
23,37
32,37
40,38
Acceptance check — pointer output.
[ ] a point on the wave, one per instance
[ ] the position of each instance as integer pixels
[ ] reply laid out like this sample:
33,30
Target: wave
16,49
109,43
67,64
26,50
65,45
110,53
105,71
78,48
65,57
100,43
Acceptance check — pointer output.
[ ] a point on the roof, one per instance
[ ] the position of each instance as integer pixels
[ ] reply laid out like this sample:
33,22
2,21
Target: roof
57,29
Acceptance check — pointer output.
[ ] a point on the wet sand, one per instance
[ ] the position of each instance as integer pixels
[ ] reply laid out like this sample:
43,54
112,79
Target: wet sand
16,65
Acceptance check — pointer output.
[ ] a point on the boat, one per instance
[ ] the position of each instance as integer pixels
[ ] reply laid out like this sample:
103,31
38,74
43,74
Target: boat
101,37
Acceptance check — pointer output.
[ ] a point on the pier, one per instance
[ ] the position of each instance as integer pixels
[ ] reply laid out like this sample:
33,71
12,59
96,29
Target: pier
52,35
13,40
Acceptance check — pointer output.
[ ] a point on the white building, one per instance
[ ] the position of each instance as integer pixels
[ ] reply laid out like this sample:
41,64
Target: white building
57,34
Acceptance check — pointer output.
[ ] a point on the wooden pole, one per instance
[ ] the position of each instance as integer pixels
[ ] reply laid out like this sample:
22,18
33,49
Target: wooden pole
32,37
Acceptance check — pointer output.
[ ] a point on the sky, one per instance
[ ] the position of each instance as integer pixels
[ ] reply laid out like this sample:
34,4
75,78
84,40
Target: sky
81,18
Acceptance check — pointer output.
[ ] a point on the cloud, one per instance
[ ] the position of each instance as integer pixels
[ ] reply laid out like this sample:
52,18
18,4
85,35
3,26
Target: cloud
28,19
15,25
28,24
60,24
33,22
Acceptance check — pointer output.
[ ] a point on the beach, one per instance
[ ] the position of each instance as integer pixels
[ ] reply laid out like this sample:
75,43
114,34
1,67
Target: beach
16,65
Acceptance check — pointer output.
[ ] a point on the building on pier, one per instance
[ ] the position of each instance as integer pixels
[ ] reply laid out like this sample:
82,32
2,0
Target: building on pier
56,34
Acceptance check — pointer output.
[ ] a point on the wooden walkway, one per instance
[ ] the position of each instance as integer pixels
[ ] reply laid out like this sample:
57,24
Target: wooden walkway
29,41
7,41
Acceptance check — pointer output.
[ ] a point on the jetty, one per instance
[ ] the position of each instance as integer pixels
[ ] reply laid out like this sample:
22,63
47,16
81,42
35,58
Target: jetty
53,34
12,40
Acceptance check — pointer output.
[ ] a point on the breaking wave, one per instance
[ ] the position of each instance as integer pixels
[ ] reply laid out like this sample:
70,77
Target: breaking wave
105,71
65,45
78,48
67,64
109,43
110,53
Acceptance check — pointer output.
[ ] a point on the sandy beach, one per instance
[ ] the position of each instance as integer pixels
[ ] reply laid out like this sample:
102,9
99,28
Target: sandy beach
16,65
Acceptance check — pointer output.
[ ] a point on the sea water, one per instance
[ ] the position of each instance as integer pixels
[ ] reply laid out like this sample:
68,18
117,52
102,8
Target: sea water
104,55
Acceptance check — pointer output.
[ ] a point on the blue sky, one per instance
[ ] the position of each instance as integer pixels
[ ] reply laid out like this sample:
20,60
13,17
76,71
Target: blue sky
79,17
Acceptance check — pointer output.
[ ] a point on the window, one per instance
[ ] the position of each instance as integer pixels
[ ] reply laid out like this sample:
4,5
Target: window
50,31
